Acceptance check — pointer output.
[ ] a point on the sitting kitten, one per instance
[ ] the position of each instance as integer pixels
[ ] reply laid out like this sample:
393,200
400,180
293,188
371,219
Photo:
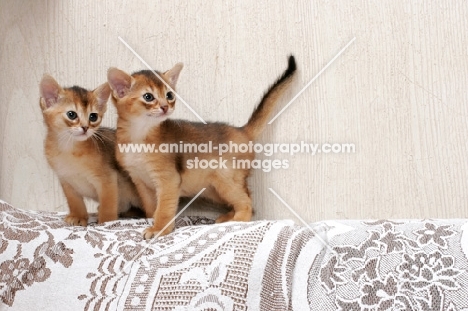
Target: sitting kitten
81,153
143,104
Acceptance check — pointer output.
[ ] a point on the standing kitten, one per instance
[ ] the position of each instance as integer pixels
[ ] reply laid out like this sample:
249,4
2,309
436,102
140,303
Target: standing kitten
81,153
143,104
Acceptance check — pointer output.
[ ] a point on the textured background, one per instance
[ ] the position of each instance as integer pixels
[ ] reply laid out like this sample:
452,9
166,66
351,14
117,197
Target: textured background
399,93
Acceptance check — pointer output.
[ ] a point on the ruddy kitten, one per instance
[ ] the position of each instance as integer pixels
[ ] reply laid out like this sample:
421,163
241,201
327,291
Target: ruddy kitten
82,153
143,104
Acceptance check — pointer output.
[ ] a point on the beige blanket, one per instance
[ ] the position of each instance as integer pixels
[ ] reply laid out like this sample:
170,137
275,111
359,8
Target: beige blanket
265,265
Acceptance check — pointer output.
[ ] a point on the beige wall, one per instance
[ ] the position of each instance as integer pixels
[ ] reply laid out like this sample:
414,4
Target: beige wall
399,93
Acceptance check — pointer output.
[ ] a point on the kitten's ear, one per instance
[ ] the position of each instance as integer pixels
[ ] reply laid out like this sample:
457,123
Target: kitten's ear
119,81
102,93
173,74
50,90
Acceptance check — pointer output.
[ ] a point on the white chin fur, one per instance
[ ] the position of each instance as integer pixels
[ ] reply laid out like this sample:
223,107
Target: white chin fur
156,119
80,136
161,117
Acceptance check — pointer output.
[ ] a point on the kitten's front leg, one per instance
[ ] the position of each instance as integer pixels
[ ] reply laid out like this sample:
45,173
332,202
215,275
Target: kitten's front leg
167,202
78,215
108,199
147,196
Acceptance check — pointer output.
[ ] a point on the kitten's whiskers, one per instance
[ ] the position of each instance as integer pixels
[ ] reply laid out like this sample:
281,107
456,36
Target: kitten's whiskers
95,143
64,139
102,137
71,140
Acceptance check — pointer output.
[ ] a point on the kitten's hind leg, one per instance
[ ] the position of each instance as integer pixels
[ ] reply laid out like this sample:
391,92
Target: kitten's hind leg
234,192
78,214
225,217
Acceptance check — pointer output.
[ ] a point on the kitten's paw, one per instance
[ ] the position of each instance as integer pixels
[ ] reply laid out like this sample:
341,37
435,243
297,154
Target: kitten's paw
225,217
104,218
106,214
76,221
151,233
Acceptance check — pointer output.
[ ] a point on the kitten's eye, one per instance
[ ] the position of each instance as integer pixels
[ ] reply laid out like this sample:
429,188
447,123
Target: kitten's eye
93,117
170,96
148,97
72,115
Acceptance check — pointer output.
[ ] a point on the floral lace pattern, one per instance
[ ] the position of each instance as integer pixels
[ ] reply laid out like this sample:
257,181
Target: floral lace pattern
397,266
263,265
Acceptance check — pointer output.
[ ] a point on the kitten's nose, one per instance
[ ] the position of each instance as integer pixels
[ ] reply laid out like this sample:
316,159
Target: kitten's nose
164,108
85,129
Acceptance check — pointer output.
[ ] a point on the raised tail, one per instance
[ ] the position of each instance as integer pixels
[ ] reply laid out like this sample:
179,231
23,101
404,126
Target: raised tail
262,112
